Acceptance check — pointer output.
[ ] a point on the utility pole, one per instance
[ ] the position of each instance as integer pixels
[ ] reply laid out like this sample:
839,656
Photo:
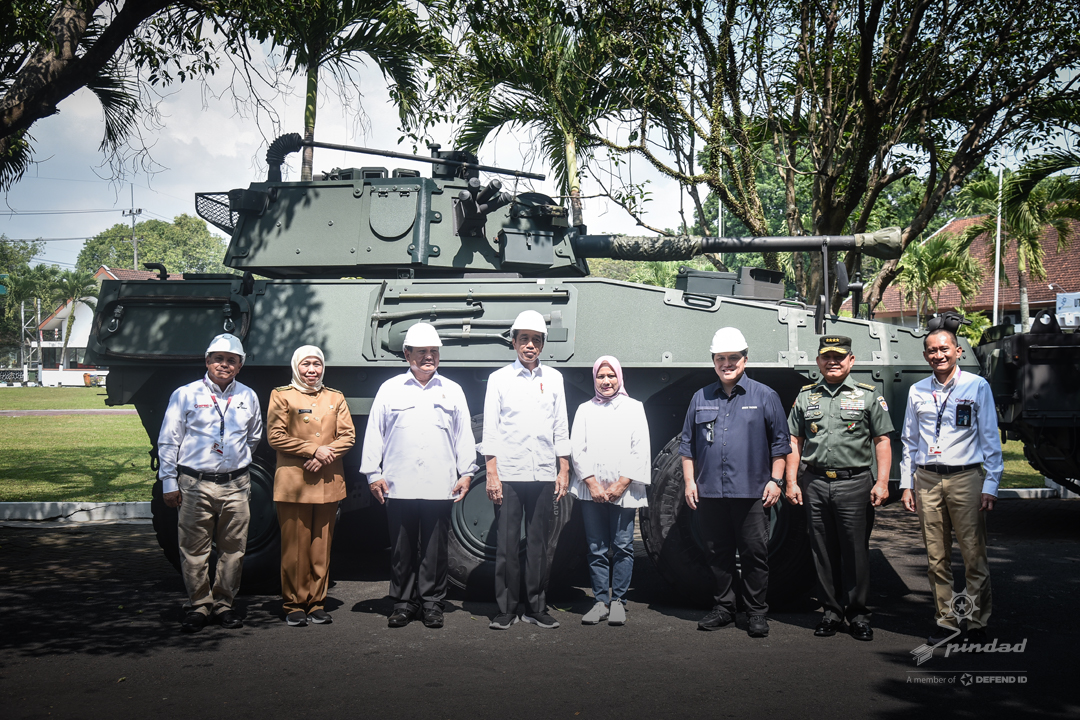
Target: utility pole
133,212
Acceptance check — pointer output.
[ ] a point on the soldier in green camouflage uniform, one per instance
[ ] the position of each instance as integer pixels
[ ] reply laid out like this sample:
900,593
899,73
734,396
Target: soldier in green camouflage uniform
838,427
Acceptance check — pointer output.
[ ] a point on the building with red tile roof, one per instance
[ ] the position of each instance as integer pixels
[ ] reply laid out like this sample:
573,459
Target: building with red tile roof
1062,276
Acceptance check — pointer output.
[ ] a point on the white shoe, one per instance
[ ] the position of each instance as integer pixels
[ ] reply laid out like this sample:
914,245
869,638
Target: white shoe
598,614
617,616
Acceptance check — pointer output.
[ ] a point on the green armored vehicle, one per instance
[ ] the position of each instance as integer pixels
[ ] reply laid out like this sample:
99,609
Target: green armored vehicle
351,261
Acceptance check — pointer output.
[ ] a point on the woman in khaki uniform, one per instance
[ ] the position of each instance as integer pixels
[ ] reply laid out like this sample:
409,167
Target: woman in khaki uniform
310,427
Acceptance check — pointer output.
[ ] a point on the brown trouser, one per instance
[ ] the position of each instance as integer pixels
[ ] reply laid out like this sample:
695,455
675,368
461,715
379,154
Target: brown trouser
307,530
947,504
209,511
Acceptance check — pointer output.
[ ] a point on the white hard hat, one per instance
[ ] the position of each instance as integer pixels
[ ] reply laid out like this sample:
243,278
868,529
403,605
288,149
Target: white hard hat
226,343
728,339
422,334
530,320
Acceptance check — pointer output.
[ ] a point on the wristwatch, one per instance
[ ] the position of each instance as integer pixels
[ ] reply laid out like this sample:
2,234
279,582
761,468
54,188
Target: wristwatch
779,482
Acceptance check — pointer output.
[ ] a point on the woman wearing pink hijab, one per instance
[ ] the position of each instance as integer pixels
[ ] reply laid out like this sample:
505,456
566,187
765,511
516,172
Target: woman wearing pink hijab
611,470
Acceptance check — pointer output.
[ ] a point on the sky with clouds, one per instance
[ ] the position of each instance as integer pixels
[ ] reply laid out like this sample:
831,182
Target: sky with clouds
204,144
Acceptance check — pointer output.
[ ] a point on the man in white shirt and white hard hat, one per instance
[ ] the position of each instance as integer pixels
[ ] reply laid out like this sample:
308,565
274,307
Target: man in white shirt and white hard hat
210,430
526,445
419,458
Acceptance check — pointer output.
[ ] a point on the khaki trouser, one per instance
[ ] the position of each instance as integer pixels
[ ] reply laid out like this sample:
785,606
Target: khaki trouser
947,504
307,530
210,511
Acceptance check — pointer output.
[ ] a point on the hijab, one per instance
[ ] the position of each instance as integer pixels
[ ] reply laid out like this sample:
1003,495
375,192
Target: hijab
607,360
306,351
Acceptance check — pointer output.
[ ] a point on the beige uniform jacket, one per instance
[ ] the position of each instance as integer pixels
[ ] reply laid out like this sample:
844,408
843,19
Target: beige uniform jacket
296,425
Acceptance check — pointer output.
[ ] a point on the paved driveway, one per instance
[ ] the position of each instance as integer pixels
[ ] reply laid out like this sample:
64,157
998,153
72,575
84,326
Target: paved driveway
88,628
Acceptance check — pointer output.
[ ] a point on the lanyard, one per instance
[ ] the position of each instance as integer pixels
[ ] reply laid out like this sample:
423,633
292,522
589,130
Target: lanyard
944,403
213,397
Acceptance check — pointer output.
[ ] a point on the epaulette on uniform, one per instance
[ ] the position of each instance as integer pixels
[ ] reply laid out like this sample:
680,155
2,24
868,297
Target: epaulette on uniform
807,387
864,386
283,388
325,387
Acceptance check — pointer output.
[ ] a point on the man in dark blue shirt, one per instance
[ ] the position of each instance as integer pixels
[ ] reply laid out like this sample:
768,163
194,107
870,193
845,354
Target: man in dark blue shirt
734,442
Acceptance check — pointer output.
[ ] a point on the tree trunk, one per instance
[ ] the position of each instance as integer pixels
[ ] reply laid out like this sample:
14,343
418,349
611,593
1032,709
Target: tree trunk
572,182
67,337
310,108
1025,309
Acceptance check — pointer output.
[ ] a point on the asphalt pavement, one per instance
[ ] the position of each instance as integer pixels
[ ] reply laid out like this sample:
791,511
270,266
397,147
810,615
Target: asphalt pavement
90,628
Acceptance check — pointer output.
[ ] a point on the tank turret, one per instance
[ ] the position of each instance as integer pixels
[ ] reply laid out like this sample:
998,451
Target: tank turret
375,223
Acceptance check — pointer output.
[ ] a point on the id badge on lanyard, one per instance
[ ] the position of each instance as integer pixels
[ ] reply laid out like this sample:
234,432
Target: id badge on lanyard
935,447
219,446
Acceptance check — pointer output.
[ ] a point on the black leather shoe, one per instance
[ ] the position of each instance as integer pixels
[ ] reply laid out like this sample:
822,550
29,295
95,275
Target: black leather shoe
297,618
941,634
758,627
976,635
229,620
193,622
433,617
828,627
715,620
399,618
862,631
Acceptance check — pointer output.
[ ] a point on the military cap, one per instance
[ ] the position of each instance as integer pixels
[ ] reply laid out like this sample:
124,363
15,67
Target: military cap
834,343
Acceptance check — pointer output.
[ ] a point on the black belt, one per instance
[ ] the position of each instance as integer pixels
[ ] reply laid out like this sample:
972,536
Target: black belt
949,469
836,473
218,478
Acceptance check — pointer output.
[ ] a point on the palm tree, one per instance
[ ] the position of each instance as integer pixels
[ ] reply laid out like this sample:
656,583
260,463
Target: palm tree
1031,201
551,80
332,34
74,287
929,266
36,285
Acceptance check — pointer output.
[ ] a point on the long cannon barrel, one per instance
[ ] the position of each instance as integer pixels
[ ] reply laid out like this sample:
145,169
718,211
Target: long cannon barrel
884,244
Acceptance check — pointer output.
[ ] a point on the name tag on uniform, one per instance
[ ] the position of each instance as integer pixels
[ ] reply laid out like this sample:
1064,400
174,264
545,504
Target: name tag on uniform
963,416
202,406
305,410
811,408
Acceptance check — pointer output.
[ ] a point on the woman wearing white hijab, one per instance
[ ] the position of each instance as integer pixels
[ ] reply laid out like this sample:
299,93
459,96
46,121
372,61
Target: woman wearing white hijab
310,427
611,470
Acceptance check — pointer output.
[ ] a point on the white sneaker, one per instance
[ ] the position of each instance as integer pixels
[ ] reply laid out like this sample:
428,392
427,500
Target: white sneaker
598,614
617,616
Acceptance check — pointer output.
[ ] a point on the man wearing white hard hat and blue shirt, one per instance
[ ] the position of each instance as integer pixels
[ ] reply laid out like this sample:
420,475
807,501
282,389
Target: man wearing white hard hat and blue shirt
419,458
526,445
211,428
734,443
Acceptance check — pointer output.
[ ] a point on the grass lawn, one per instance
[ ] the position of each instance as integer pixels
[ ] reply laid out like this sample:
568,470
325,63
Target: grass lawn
43,398
94,458
1018,473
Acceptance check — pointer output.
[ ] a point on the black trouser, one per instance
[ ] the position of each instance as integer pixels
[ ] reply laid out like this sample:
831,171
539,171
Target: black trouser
523,500
840,518
727,524
418,554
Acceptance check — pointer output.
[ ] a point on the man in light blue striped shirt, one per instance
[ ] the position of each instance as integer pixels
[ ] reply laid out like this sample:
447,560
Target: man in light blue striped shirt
950,470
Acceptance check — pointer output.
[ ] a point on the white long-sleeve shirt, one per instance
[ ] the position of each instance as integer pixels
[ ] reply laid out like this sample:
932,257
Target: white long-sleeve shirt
968,432
191,430
525,425
419,438
611,440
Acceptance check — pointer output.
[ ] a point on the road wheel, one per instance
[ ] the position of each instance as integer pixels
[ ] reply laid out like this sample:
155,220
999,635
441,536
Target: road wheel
262,558
473,536
672,538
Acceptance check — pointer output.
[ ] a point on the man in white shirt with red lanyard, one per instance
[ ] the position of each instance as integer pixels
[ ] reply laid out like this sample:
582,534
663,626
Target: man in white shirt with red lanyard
526,444
949,472
419,457
211,428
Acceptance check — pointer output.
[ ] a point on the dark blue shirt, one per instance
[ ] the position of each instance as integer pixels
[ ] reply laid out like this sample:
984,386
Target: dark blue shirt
733,457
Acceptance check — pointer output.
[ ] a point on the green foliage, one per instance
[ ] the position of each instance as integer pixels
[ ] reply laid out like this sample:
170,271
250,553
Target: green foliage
74,287
1032,201
184,245
974,331
931,265
662,273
